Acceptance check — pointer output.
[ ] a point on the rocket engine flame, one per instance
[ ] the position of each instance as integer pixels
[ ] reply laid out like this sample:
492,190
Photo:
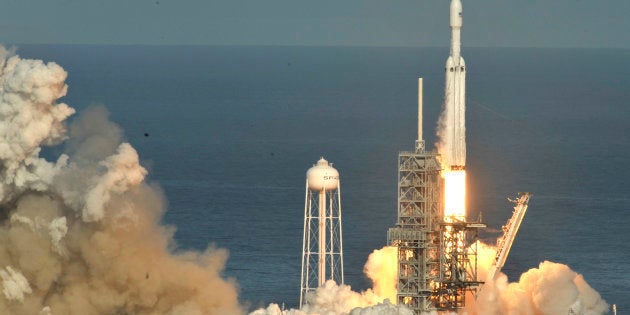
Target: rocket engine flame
454,194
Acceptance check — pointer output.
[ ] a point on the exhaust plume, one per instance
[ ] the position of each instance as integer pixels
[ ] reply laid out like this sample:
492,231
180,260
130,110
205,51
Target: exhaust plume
82,234
550,289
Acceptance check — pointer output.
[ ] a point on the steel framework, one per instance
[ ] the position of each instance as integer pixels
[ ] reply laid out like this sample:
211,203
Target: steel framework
416,233
458,264
437,256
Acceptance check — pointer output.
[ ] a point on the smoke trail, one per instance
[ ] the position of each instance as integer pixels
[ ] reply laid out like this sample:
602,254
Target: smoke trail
81,235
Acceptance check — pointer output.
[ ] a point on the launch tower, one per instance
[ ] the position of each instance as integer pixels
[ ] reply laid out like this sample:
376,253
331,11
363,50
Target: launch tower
417,231
322,246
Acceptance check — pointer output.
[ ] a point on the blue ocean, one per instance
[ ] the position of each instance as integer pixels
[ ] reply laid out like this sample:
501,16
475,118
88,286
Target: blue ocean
229,132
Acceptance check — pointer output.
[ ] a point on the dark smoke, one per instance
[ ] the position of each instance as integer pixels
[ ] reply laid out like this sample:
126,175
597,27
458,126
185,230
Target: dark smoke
81,235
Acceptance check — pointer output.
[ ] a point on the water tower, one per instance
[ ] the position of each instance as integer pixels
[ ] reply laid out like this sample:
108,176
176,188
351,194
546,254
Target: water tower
322,246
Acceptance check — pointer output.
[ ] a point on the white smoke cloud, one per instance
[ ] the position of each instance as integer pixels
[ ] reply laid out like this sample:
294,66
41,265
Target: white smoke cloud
123,172
550,289
81,235
385,308
14,284
30,118
58,228
55,229
336,299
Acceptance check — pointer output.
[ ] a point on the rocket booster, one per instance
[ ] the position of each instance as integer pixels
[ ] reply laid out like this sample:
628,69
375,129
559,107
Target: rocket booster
454,139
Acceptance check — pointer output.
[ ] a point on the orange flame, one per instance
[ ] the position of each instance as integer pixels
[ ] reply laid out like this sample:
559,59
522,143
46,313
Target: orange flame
455,194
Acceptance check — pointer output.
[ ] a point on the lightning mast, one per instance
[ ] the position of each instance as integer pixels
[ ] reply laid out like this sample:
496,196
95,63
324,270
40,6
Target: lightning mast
417,231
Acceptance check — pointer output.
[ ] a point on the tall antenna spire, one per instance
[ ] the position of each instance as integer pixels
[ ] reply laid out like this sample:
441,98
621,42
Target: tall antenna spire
420,140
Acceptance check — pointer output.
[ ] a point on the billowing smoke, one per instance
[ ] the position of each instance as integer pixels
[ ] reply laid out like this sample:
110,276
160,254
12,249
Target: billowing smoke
334,299
382,269
384,308
550,289
81,235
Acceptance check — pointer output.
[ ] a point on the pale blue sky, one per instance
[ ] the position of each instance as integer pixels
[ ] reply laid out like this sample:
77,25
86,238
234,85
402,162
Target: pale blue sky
498,23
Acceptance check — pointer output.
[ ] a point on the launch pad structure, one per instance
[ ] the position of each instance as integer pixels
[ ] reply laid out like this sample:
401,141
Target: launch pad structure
416,234
437,258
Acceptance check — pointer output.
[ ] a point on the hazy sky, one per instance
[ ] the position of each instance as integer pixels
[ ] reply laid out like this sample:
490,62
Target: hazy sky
529,23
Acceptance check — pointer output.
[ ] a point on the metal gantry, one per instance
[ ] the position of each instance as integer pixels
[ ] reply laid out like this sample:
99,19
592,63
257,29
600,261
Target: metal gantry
416,233
437,257
458,264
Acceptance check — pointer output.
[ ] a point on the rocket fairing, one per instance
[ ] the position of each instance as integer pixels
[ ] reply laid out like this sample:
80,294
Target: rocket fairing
455,96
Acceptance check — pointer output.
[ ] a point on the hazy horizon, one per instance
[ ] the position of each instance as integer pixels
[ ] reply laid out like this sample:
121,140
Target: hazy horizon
356,23
18,45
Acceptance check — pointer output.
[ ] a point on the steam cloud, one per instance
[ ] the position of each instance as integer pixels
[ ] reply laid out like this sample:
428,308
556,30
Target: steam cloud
552,288
81,235
335,299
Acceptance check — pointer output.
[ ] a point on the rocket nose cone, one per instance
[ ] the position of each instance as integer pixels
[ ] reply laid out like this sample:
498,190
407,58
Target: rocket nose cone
456,5
456,13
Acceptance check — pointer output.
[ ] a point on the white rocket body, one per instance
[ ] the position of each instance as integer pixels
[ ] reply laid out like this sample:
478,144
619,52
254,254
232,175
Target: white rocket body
456,27
455,95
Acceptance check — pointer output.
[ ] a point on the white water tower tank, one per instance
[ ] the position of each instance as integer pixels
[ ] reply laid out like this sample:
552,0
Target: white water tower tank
322,176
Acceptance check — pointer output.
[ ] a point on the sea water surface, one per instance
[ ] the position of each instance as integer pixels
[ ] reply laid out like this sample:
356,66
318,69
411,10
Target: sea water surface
229,132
